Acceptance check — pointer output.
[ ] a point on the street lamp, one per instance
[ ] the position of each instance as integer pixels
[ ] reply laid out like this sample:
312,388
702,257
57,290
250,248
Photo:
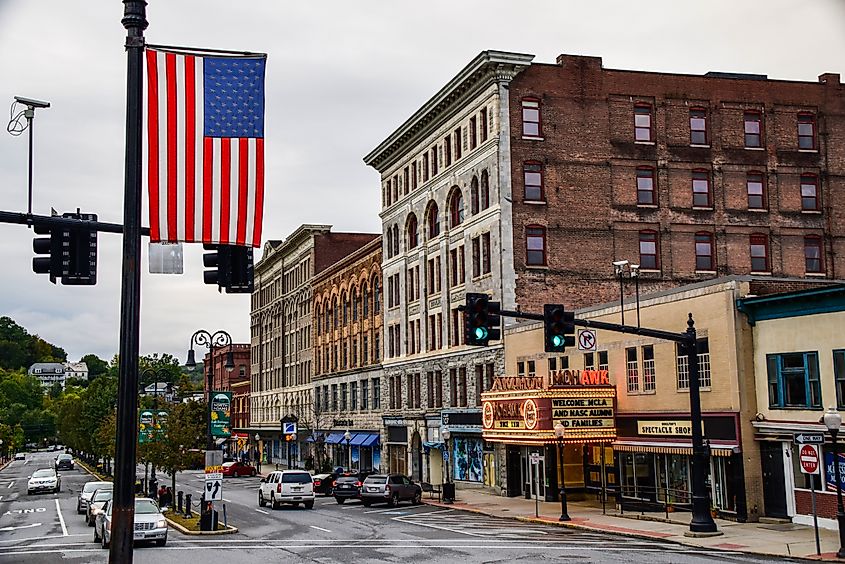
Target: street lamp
448,489
833,421
212,341
347,436
560,431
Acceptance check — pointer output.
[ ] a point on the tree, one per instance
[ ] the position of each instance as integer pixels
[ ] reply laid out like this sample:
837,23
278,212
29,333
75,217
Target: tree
19,349
164,368
184,443
96,365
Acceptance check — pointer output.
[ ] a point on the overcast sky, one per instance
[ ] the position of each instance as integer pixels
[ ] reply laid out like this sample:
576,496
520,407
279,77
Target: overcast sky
341,76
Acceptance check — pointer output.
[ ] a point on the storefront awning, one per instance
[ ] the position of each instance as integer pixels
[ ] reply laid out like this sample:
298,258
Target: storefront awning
371,440
428,445
334,438
361,438
679,447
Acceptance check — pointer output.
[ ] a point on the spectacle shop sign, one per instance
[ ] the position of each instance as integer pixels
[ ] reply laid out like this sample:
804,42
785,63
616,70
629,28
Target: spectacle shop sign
522,410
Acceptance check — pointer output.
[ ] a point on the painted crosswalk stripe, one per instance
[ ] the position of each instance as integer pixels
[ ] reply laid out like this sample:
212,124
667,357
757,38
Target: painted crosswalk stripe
320,529
262,511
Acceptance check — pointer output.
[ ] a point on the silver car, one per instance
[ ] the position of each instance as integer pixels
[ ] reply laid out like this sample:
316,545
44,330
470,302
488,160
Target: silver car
87,491
96,505
150,524
44,480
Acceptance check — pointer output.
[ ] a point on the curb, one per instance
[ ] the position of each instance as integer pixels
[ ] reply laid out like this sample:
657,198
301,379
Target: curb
6,464
228,531
580,527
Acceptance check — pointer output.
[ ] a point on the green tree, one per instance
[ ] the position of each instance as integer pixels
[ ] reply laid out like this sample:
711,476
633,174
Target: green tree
96,365
19,349
184,443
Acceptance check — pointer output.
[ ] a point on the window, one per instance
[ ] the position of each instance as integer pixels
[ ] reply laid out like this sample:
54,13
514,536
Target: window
365,395
533,176
701,195
476,257
447,150
458,140
649,383
355,300
531,117
698,126
756,191
632,370
807,131
483,125
839,376
759,247
453,387
473,139
376,299
485,253
648,250
809,192
365,294
535,244
794,380
552,364
645,186
411,232
432,220
353,387
813,254
376,393
414,175
603,360
462,386
407,178
434,161
457,328
456,207
642,122
484,197
704,259
753,129
473,196
425,167
589,361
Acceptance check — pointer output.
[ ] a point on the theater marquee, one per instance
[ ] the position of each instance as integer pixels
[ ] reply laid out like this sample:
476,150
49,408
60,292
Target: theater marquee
524,410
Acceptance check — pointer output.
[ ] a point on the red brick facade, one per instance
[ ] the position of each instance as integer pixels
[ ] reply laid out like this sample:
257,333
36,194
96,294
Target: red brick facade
237,381
590,159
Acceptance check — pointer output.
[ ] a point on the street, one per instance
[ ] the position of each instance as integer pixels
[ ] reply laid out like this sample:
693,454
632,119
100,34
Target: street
46,527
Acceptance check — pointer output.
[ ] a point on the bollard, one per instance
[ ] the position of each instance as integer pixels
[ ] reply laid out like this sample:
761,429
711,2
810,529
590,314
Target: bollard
179,500
188,506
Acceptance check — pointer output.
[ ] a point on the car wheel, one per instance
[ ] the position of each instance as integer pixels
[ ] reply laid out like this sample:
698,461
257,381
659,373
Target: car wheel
28,492
273,503
309,505
340,500
417,498
79,509
161,542
261,502
96,536
105,542
394,500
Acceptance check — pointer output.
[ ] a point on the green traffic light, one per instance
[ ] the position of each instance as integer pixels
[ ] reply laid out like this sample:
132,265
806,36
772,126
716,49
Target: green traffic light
558,340
480,333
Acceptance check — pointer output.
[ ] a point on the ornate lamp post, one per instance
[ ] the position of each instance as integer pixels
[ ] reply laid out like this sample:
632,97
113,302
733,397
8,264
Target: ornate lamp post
448,489
347,436
212,341
560,431
257,453
833,421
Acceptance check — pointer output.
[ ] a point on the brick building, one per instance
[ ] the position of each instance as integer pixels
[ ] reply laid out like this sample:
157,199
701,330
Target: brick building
347,359
235,381
526,181
281,330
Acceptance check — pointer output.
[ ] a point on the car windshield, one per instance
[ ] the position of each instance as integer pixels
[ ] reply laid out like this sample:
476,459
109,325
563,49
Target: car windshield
347,479
43,473
102,495
91,486
376,479
65,457
228,464
296,478
145,507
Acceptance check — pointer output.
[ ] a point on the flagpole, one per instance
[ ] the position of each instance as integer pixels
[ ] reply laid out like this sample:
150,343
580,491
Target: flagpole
123,510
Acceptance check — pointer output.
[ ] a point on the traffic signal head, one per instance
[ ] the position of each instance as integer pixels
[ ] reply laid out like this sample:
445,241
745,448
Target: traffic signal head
558,328
482,320
51,247
218,261
79,252
240,275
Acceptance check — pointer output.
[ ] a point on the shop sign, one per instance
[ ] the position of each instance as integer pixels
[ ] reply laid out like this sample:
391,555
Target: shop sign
583,413
343,423
393,421
578,378
515,414
668,428
517,383
830,471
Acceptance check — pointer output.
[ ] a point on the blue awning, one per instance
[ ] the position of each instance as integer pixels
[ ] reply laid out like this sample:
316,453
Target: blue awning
334,438
371,440
361,438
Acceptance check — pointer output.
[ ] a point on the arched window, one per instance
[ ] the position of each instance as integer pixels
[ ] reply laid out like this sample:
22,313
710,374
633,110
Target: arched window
376,296
354,293
456,207
319,310
365,294
484,199
335,308
432,220
396,239
473,196
388,236
411,237
345,308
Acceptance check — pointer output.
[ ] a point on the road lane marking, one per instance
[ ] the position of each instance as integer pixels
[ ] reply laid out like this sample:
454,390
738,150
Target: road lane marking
389,509
61,519
4,529
320,529
1,497
262,511
12,483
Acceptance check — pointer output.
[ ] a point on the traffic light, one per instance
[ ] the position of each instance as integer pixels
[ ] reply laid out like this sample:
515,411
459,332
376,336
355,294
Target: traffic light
232,268
79,252
51,247
558,328
218,261
481,317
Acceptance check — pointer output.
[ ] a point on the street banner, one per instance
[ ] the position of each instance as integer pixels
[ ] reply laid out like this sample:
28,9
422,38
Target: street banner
221,409
146,423
160,425
830,471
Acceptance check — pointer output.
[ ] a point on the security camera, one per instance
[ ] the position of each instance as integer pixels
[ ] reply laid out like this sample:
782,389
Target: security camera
620,263
32,103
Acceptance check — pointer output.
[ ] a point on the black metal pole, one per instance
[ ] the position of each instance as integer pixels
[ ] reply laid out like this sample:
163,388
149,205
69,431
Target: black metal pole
123,512
702,520
30,122
637,290
621,298
840,511
564,511
209,440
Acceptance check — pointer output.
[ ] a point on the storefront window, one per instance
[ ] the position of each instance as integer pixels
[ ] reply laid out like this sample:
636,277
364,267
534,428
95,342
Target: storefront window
638,475
673,472
468,455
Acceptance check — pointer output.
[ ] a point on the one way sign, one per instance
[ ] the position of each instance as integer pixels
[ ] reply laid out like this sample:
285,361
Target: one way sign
808,438
214,490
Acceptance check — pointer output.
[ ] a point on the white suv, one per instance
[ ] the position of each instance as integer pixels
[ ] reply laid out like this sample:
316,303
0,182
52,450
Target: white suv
287,486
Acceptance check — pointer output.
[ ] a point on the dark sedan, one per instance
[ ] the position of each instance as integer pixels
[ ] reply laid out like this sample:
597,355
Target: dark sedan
323,483
64,462
347,487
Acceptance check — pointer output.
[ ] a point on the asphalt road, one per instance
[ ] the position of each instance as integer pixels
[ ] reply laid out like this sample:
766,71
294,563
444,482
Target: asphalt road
46,528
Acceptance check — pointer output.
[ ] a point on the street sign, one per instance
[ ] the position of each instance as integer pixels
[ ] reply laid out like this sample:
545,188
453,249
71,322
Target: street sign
809,458
535,458
808,438
586,340
289,428
214,489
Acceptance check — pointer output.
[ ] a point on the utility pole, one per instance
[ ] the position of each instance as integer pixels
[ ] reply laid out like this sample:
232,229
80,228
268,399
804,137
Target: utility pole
123,512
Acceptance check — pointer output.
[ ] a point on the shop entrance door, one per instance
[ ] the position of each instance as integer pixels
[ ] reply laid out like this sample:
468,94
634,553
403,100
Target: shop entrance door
514,472
536,474
774,479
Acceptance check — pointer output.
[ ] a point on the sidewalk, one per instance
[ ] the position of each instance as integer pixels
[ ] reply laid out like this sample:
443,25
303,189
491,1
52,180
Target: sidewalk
785,539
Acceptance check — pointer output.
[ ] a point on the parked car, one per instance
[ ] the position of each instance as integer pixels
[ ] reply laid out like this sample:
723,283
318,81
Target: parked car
237,469
20,456
323,483
51,448
96,505
64,462
392,488
347,487
87,491
44,480
150,524
286,486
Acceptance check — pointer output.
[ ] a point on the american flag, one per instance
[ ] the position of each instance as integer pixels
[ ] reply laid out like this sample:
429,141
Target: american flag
205,124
